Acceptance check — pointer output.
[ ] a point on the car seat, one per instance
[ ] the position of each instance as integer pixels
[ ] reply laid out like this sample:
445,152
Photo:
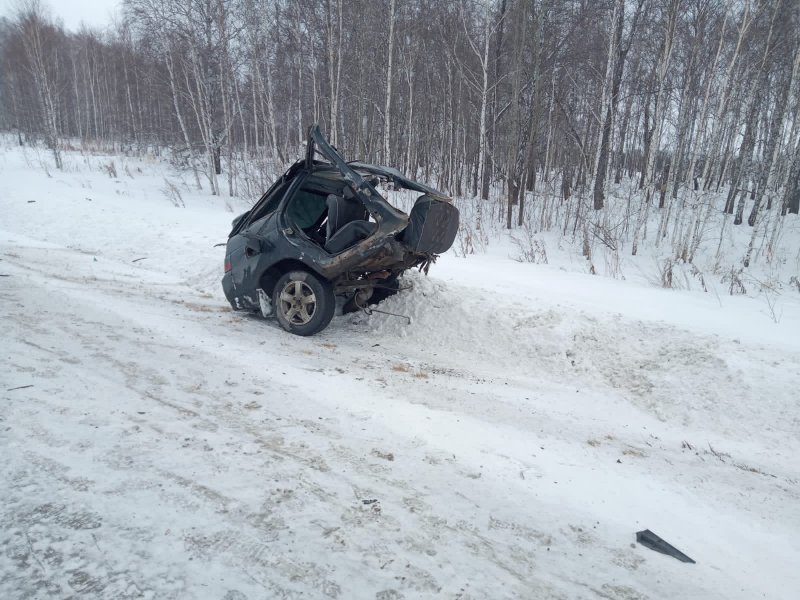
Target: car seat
347,223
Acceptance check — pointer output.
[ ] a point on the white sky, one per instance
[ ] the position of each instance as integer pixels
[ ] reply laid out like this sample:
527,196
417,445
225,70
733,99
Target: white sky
94,13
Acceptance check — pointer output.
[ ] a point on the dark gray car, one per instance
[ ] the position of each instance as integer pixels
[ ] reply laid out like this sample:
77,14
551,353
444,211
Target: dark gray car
323,230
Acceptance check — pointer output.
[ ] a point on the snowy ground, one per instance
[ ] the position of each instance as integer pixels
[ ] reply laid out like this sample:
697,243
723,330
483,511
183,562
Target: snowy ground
507,444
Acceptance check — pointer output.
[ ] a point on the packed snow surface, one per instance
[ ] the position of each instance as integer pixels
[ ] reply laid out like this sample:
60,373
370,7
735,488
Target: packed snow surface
507,443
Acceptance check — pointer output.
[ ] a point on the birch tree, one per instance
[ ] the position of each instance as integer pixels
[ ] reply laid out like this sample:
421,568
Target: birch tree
41,64
387,112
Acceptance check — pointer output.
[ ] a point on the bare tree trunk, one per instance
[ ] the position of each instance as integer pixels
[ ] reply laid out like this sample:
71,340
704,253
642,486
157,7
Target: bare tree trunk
387,113
658,119
623,133
769,171
535,113
334,67
715,140
484,100
30,24
768,179
179,116
410,160
610,89
744,172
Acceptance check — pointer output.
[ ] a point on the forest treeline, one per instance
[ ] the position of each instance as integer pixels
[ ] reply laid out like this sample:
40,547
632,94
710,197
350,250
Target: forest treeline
676,97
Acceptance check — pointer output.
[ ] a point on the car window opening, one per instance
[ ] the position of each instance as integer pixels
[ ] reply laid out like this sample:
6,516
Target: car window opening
269,202
308,211
333,221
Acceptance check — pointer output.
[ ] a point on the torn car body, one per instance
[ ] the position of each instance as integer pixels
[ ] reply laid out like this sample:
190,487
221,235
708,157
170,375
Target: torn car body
326,218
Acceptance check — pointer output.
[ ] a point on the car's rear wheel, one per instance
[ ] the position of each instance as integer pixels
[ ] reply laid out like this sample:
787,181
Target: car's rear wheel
303,302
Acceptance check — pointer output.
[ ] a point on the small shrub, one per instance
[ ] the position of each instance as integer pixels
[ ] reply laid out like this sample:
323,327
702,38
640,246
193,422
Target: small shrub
698,274
734,279
530,251
665,273
464,238
173,194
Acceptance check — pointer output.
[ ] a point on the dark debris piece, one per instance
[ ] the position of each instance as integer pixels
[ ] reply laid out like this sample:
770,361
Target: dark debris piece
22,387
648,539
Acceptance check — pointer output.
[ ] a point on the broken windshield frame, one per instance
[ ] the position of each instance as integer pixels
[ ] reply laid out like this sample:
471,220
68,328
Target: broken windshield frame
389,219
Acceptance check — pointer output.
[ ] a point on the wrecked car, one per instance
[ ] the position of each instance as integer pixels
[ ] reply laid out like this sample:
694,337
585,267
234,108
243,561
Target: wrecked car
323,231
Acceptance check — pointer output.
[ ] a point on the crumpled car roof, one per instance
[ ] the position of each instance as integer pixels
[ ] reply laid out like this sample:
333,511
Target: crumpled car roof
400,179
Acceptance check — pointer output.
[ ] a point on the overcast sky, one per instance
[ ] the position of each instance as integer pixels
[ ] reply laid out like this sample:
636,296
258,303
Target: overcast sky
95,13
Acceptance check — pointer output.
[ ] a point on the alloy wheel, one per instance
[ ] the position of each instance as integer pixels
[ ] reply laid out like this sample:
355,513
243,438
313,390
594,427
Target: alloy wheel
298,302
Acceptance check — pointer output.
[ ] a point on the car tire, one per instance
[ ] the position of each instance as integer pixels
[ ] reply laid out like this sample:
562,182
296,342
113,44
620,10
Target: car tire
303,302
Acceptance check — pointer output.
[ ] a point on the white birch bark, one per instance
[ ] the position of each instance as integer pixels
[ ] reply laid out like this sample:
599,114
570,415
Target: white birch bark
31,29
484,101
387,112
605,102
757,217
171,71
725,85
658,119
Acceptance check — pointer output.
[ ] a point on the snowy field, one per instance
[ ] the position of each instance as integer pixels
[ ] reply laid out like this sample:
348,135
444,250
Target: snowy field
508,443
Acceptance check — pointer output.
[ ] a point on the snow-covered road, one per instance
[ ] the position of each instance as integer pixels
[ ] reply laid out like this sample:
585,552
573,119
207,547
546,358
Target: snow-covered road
507,444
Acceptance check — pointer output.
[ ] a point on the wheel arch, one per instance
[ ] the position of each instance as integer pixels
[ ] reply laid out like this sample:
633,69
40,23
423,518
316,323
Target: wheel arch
274,272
